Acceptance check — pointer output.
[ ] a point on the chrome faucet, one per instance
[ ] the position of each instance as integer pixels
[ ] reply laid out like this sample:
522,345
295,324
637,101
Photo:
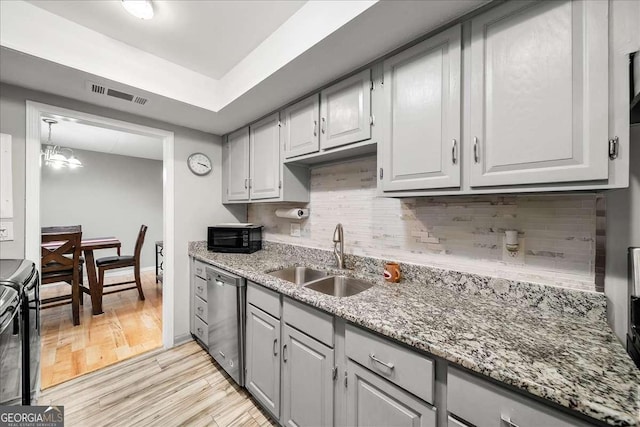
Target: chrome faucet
338,238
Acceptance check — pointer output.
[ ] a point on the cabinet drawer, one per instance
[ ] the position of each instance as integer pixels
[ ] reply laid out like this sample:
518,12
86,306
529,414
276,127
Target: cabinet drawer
200,309
201,330
263,298
199,269
312,322
408,369
482,403
200,287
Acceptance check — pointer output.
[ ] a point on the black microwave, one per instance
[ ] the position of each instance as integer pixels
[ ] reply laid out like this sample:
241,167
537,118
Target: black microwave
234,238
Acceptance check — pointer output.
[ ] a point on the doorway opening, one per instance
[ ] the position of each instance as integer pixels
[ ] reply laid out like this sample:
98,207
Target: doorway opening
115,180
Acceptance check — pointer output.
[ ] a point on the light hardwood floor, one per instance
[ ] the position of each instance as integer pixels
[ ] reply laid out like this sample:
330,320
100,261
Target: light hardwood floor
127,328
180,386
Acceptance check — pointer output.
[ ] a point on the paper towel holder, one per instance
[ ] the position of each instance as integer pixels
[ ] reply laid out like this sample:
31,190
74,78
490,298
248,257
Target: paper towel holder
293,213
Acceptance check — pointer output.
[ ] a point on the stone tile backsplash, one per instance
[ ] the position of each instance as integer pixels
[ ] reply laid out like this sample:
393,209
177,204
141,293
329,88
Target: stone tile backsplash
463,233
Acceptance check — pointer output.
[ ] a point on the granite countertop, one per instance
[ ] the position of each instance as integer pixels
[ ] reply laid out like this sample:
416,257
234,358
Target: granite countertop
574,361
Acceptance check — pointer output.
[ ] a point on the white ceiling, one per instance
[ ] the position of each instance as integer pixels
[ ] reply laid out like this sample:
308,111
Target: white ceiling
73,134
320,43
209,37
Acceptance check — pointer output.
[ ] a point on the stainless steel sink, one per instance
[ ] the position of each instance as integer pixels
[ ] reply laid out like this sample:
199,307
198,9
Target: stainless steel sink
339,286
299,275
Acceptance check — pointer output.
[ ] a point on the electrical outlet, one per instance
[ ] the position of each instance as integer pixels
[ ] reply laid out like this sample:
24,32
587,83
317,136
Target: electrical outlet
295,229
6,231
510,257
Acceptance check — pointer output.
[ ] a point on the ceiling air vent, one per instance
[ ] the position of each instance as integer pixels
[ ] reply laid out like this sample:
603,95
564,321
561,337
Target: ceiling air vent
97,89
107,91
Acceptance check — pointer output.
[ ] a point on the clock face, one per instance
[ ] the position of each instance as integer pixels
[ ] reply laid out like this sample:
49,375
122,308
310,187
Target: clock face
199,164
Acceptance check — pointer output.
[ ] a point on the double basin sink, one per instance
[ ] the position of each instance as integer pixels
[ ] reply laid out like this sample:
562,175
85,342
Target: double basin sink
321,281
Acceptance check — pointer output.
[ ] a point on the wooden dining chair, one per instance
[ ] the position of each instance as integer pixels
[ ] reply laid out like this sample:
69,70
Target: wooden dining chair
62,264
71,229
123,261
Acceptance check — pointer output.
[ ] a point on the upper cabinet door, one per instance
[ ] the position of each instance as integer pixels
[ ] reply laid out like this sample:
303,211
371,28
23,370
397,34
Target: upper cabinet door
345,111
421,144
301,127
237,165
539,93
265,158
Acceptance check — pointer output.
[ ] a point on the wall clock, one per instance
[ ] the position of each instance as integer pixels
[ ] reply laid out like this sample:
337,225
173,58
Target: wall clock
199,164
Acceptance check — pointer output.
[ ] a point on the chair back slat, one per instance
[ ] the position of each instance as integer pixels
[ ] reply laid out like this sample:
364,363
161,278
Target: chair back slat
140,241
54,259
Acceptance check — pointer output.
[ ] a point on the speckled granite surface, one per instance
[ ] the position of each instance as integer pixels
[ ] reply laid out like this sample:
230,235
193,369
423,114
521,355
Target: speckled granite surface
570,357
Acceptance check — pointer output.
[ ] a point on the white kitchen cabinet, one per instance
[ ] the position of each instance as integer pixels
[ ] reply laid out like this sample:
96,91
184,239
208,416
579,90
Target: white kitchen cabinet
307,380
253,170
263,358
345,111
264,164
482,403
421,143
300,127
372,401
235,165
539,93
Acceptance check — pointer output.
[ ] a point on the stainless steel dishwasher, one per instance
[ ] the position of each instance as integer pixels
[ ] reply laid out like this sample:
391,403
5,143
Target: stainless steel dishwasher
225,301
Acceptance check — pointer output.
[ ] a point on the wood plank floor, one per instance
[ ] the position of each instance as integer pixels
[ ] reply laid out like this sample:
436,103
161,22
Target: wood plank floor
180,386
127,328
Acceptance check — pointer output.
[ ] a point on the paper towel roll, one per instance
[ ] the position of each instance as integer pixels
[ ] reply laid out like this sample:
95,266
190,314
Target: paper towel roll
295,213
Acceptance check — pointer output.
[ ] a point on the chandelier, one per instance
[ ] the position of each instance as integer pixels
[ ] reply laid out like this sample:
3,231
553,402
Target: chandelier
53,155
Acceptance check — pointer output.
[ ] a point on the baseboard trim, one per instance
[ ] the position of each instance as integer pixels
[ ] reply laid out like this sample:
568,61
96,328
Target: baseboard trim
181,339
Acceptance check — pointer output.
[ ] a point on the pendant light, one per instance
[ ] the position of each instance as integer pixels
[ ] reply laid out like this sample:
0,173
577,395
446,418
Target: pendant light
53,156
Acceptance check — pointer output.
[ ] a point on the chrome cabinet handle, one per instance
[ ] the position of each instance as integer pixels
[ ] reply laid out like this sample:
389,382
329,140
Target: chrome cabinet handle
222,354
386,364
275,346
200,310
476,156
315,128
324,125
200,331
507,421
284,353
454,151
201,289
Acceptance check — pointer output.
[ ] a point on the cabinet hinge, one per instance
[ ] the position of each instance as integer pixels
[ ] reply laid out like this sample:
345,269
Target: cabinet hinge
346,377
279,124
335,373
381,173
280,184
372,86
614,146
372,120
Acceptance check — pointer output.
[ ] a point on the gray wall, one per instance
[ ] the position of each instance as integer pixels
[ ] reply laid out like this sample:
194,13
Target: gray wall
623,230
197,199
100,197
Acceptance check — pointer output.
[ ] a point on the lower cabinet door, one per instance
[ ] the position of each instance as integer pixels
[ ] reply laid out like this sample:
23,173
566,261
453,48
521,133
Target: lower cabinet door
373,401
307,382
263,358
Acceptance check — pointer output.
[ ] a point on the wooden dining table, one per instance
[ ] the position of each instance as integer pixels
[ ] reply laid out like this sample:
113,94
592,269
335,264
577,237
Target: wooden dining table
88,245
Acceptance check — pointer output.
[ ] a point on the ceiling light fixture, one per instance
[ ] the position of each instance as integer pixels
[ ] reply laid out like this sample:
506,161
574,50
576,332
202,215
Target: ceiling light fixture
52,154
142,9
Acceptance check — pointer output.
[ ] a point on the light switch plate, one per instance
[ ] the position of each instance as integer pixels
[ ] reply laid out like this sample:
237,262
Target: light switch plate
295,229
6,231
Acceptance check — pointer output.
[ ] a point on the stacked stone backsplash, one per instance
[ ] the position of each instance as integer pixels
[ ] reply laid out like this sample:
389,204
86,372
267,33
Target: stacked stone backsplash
456,232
